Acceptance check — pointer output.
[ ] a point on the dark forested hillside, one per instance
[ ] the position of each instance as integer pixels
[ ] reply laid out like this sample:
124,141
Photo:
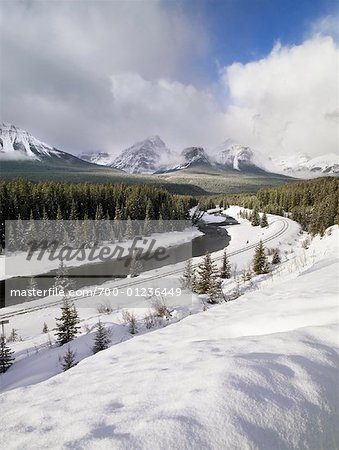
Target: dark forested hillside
52,200
313,203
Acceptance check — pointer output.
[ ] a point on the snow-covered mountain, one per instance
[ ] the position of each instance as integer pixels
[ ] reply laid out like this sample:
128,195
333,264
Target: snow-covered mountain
101,158
303,166
146,156
19,145
189,157
241,158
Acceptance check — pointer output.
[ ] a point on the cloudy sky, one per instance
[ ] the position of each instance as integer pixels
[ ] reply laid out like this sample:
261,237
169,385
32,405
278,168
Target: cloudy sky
98,75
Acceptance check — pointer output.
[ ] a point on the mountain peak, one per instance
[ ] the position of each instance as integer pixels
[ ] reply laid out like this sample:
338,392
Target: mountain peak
145,156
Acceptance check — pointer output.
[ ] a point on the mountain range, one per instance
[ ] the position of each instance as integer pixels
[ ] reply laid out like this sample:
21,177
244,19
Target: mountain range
152,156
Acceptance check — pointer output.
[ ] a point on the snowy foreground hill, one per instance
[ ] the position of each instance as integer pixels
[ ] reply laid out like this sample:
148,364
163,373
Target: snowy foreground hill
259,372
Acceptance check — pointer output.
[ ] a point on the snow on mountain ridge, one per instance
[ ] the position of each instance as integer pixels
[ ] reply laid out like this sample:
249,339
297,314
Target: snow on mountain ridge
304,166
146,156
16,143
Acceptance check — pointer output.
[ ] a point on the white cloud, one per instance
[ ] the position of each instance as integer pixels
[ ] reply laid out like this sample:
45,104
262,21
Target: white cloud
288,101
101,75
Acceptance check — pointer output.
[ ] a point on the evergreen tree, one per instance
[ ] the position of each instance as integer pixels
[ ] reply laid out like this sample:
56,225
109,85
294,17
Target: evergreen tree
67,325
147,224
260,263
263,221
62,282
129,232
32,285
187,276
135,267
13,337
6,355
208,281
68,360
102,340
225,271
276,257
255,218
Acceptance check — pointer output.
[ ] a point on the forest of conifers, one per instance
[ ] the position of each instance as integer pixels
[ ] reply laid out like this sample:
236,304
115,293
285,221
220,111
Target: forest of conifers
23,199
312,203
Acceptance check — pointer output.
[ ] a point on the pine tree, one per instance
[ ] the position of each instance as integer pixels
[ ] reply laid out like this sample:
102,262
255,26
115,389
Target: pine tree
148,214
263,221
135,267
6,355
129,232
225,271
13,337
67,325
102,339
68,360
62,282
260,263
276,257
255,218
187,277
32,286
208,281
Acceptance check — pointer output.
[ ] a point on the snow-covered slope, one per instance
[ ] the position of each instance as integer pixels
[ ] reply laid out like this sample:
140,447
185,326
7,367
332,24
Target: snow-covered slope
303,166
260,372
19,144
190,157
144,157
102,159
242,158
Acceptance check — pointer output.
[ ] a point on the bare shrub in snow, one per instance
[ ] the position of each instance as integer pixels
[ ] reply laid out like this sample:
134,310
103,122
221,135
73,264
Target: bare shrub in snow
130,319
160,306
149,320
105,308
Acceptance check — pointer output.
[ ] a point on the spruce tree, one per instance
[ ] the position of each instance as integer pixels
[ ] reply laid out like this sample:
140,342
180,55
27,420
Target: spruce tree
6,355
62,282
102,340
276,257
135,267
147,222
67,325
68,360
208,281
263,221
186,280
260,263
255,218
225,271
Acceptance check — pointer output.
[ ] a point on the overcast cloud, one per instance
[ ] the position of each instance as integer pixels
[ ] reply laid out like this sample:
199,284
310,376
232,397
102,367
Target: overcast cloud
102,75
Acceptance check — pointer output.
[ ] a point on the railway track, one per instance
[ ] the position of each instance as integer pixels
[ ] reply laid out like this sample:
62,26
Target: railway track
135,282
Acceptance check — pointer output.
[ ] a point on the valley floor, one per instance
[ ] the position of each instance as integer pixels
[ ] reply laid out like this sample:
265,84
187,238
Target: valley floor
257,372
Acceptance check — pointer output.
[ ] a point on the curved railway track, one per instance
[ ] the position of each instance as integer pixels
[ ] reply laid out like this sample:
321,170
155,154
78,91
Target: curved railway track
135,282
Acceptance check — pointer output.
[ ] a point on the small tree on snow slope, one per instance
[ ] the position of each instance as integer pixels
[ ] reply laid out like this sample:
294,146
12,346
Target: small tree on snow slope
208,281
67,325
276,257
255,218
68,360
260,263
187,277
263,221
102,340
6,355
225,271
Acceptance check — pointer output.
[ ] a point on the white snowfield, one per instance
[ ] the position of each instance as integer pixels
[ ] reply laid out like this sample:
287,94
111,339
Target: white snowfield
260,372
